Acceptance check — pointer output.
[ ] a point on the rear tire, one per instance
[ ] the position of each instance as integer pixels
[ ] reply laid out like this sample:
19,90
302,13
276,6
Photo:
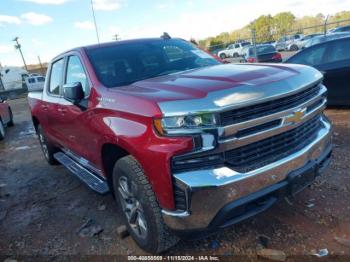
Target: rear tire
10,123
140,208
2,130
235,55
294,48
48,149
222,56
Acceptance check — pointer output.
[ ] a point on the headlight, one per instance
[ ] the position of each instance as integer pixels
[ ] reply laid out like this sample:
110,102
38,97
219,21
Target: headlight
184,124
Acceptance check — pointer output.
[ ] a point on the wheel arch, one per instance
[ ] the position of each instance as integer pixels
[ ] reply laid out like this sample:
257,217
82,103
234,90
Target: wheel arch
36,123
110,154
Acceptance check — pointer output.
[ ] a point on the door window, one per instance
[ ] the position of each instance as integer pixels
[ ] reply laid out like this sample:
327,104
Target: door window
312,56
55,77
76,73
339,51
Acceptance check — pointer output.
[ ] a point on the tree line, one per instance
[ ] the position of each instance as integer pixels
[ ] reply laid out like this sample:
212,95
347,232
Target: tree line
271,28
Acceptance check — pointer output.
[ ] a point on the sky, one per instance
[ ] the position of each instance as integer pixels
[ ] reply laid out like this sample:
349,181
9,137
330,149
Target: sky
48,27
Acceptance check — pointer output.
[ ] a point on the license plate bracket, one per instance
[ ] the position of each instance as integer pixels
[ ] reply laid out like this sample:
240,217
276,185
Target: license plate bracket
299,180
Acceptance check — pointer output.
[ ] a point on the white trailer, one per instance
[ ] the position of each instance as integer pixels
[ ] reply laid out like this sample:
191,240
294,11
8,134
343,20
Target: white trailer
13,77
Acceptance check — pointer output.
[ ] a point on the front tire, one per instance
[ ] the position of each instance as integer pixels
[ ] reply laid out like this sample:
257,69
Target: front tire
48,149
222,56
2,130
140,208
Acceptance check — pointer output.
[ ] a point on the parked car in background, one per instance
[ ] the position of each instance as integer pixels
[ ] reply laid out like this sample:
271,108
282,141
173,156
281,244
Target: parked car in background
35,83
340,29
216,51
324,38
229,140
299,44
285,43
265,54
233,50
34,74
6,116
332,58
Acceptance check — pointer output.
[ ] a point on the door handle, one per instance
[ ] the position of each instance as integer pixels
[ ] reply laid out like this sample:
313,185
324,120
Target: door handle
44,107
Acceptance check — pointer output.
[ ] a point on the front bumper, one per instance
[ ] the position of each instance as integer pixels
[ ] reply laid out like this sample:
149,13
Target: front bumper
220,197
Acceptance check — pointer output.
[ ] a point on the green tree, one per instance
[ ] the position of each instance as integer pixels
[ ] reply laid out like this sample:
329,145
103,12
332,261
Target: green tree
283,22
263,26
215,44
312,24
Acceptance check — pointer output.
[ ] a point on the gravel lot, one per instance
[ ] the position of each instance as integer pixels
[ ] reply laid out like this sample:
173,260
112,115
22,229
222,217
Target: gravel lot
42,208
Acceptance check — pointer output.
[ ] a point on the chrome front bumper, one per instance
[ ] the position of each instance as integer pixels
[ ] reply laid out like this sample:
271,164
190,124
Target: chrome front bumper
208,191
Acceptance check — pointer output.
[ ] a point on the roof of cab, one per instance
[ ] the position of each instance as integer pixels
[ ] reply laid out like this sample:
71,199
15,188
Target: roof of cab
114,43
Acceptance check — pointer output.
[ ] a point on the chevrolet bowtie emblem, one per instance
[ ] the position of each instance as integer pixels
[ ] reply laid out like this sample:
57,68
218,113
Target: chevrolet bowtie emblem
296,117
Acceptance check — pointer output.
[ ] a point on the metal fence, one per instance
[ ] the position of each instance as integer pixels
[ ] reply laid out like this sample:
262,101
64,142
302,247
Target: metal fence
255,38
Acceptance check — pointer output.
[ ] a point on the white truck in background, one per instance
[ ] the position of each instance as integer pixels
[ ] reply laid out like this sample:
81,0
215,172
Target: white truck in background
233,50
13,77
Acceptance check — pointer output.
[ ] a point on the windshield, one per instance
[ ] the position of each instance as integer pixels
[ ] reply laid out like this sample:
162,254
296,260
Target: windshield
124,64
260,50
40,79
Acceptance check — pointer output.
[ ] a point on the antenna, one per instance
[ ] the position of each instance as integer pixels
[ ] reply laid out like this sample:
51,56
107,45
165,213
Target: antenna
165,36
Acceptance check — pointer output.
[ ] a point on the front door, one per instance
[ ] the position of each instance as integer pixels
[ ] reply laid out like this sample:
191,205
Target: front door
75,122
337,72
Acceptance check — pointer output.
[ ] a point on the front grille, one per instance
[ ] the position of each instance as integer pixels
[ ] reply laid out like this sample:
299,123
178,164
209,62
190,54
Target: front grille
257,154
267,108
267,151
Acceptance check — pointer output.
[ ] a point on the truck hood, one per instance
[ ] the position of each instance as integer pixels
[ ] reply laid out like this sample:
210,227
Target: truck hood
209,85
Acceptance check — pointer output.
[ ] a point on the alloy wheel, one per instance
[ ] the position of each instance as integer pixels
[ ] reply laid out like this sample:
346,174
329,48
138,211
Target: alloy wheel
132,207
2,129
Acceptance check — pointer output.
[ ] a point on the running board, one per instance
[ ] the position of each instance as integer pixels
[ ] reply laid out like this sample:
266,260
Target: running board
96,183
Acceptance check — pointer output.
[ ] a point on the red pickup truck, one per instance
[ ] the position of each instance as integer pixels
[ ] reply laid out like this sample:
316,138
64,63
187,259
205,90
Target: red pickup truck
186,144
6,116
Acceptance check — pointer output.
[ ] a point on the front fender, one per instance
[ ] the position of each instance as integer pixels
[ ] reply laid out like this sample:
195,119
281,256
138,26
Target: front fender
136,135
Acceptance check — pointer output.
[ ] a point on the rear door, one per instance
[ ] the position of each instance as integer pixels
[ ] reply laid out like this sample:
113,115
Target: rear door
336,70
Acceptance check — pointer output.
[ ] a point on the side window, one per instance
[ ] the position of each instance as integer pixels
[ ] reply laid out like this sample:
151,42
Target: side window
339,51
55,77
76,73
236,45
312,56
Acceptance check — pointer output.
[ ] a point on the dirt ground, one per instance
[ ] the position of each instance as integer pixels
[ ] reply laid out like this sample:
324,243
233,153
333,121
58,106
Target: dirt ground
43,208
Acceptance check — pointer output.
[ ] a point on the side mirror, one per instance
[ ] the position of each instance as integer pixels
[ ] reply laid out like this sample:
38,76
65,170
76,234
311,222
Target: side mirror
3,98
73,92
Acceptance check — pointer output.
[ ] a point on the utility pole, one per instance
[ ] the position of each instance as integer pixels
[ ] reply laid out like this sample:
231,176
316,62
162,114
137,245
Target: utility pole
93,15
254,43
18,46
41,66
116,37
325,25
